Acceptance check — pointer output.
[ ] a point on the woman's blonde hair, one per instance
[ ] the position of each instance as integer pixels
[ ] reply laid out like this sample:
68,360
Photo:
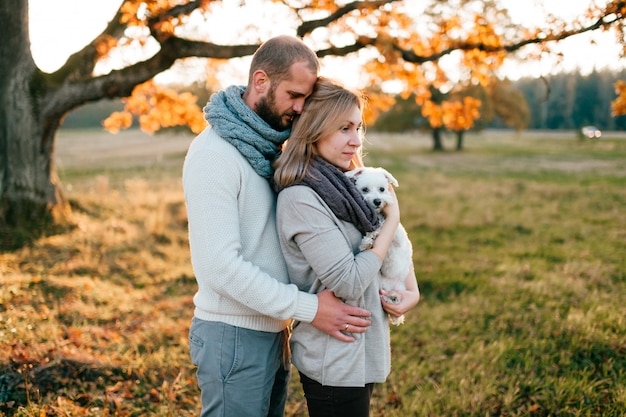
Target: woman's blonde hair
324,112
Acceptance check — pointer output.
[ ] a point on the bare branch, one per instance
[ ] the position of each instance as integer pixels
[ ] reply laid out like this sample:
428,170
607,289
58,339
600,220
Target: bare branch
176,11
120,83
361,43
311,25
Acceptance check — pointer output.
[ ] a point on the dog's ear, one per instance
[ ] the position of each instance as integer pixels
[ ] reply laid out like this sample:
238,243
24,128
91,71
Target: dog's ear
390,178
354,174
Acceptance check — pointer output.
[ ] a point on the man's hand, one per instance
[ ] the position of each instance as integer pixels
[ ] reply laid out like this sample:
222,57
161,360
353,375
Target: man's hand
336,318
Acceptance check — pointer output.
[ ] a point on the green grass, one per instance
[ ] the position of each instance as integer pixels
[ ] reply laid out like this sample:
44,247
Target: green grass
519,249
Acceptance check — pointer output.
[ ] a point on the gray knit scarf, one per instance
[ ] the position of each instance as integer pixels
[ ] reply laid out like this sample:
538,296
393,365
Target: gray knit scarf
239,125
340,194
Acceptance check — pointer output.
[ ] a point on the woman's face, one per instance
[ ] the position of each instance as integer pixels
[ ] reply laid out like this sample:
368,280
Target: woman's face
340,146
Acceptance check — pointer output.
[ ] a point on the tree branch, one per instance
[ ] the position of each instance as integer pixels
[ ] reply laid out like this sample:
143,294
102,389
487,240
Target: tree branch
78,88
82,63
361,43
120,83
309,26
410,56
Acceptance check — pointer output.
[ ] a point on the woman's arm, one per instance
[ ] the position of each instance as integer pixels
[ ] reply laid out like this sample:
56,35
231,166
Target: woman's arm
389,227
408,298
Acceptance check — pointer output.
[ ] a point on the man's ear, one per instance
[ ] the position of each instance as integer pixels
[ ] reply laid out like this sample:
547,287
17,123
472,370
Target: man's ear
260,82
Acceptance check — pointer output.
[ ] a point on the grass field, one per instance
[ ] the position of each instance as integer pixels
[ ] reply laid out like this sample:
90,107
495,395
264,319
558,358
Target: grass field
519,248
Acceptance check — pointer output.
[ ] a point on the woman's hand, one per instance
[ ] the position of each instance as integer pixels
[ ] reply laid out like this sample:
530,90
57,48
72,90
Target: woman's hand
408,297
408,300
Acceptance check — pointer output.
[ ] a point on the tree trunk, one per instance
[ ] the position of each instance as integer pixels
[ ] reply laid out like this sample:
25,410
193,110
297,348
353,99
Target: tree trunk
459,139
437,143
27,180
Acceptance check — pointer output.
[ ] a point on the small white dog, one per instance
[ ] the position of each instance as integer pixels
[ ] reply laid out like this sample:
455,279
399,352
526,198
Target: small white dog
373,184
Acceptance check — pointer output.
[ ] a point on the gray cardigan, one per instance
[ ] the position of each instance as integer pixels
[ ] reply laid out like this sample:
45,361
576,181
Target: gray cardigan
321,252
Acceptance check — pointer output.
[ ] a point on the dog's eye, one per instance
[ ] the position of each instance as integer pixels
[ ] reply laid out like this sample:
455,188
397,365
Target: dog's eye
381,189
365,190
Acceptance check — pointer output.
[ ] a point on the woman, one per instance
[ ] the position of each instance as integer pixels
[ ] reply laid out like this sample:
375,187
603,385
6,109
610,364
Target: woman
321,220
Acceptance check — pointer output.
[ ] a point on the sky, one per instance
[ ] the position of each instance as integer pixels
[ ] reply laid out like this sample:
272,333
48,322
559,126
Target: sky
55,34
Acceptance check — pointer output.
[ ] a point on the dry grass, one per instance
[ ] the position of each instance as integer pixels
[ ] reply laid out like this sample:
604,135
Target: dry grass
519,250
94,319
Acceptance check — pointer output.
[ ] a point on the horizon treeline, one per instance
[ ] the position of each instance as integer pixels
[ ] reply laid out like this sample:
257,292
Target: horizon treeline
567,100
572,100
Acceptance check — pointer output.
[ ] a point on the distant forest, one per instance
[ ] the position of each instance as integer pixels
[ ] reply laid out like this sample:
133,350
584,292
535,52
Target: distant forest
560,101
572,100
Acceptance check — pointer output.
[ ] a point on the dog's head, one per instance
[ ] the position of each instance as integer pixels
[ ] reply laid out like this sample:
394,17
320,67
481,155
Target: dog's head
373,184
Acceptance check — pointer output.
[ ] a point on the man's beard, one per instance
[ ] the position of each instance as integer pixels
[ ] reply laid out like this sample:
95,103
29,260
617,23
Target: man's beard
266,109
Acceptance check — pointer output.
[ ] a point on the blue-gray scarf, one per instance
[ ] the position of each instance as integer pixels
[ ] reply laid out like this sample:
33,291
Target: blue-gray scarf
239,125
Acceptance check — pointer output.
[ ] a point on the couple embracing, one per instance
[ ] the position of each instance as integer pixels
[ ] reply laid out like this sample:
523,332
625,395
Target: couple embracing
263,262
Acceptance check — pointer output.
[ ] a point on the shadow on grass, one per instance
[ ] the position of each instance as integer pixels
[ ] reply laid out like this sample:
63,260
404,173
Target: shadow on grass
443,290
22,382
14,238
17,235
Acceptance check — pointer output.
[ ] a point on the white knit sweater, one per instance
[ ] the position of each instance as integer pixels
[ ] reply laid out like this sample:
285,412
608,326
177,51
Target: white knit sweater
236,256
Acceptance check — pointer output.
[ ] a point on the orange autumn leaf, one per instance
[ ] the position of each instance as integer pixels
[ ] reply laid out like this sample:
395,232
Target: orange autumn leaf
376,104
434,113
460,115
618,106
104,44
118,121
157,107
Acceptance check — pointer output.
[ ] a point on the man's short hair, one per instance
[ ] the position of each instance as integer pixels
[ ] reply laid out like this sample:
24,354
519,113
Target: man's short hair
278,54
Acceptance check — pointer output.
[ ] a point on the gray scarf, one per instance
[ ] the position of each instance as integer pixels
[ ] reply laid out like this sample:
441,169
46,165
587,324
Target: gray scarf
239,125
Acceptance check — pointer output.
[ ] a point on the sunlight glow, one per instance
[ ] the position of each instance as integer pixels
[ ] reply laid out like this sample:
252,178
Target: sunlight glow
56,33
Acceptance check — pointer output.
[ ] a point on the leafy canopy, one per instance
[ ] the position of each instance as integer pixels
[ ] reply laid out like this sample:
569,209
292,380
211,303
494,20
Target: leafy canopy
405,41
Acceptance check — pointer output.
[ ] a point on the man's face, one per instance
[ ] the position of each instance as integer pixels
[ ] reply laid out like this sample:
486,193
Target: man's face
284,101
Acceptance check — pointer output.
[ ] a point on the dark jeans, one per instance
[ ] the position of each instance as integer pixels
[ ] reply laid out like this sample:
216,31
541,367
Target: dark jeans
326,401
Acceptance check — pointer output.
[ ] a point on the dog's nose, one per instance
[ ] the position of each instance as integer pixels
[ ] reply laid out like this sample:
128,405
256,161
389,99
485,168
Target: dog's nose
377,202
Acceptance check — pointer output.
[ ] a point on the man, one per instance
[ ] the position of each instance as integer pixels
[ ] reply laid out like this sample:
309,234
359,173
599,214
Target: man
244,299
